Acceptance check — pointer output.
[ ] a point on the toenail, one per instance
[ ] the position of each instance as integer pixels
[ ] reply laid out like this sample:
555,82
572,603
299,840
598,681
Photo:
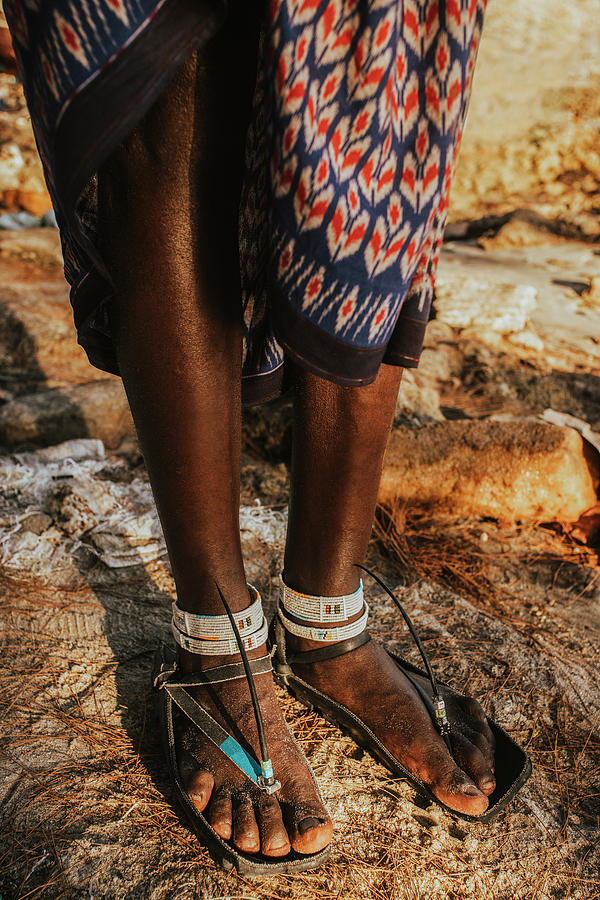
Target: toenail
306,824
278,846
470,790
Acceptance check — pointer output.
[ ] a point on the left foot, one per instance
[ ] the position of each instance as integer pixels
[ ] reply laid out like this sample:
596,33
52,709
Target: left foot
294,817
369,683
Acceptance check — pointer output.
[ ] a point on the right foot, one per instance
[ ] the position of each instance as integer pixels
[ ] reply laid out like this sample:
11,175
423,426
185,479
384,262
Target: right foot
294,817
371,685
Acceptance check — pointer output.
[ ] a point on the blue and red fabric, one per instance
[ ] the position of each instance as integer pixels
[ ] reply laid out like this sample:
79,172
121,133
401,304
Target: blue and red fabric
358,113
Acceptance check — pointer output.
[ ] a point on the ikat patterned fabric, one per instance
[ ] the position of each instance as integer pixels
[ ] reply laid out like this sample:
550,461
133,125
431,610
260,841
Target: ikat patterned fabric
358,114
61,47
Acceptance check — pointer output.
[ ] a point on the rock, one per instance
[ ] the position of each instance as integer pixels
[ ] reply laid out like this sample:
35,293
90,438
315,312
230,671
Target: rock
36,245
48,220
98,409
11,164
439,332
38,343
418,399
533,297
531,138
36,202
511,471
7,54
18,221
527,338
59,498
591,295
442,362
469,302
32,207
521,230
36,523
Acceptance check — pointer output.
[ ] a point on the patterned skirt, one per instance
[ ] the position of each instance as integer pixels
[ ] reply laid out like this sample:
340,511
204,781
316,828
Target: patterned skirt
358,111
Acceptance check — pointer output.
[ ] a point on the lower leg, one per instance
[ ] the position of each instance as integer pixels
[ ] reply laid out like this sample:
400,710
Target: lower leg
168,210
339,443
169,237
340,436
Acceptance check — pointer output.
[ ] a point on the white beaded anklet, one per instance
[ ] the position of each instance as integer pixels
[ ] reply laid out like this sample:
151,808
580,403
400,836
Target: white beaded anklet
322,609
215,628
213,635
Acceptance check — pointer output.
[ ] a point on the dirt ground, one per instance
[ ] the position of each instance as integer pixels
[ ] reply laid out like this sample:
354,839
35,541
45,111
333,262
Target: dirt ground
508,611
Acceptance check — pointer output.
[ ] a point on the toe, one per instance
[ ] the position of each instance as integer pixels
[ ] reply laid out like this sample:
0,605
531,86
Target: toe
246,835
459,792
486,740
310,829
471,759
486,748
199,786
306,820
274,840
450,784
220,814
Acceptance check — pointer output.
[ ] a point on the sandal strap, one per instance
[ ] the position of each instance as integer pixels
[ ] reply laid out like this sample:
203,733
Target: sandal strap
435,704
278,645
165,679
331,651
216,675
205,723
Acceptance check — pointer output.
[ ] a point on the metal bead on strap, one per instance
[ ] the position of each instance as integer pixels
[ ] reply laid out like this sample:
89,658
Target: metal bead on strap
214,635
441,717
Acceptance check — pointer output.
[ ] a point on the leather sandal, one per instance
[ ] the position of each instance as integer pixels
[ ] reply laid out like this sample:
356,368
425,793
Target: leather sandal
172,687
513,766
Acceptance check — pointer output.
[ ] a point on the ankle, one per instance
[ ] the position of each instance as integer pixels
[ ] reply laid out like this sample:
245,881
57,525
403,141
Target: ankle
202,596
207,641
314,581
311,621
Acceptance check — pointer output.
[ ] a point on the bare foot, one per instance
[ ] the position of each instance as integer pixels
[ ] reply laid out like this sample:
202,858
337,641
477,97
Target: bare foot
254,821
369,683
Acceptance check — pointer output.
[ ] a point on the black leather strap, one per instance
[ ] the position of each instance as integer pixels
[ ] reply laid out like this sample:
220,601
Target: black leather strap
216,675
330,651
422,693
236,670
199,716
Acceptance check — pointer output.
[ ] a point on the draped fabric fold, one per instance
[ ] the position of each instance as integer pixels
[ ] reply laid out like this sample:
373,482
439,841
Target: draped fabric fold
358,113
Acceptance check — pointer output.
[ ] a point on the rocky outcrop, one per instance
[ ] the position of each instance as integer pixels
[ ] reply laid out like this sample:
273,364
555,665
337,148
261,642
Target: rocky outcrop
67,506
98,409
38,345
512,471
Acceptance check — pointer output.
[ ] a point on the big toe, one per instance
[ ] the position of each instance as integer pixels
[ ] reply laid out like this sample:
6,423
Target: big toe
310,829
458,791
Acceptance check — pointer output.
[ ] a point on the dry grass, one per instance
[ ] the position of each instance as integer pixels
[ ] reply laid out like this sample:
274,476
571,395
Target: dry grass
451,553
87,811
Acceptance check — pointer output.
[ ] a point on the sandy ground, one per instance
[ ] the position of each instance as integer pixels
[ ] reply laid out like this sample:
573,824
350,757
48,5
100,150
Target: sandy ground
509,612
